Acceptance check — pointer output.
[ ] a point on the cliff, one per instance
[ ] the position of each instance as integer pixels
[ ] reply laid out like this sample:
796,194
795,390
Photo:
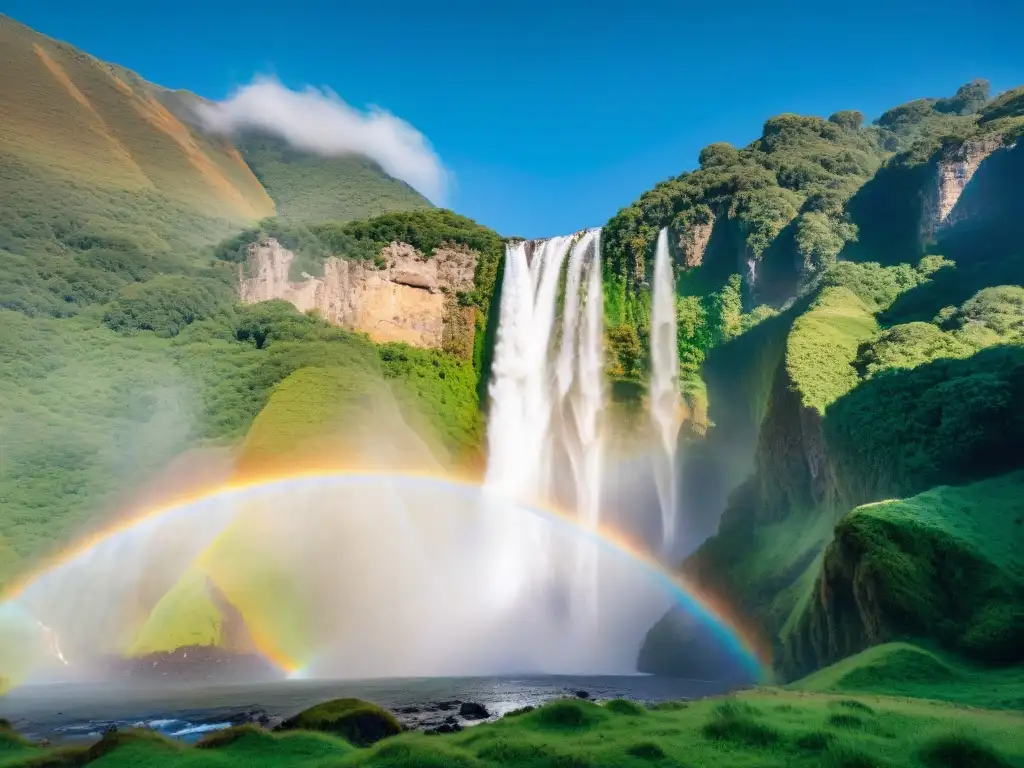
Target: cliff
411,298
955,167
856,414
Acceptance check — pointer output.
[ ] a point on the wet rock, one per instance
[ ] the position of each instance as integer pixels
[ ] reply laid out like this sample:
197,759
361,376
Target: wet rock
451,720
473,711
408,710
446,706
582,695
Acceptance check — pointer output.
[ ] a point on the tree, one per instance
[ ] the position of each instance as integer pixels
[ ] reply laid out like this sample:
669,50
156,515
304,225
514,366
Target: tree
848,119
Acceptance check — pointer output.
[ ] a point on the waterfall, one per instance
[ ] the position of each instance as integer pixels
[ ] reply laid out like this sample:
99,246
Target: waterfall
580,382
519,451
664,388
547,394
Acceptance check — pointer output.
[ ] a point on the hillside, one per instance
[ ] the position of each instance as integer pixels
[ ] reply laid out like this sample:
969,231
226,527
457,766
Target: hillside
122,340
307,188
892,366
105,179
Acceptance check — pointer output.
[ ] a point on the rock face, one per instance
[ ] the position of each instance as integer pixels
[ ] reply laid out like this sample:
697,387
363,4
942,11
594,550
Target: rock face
693,242
412,299
957,165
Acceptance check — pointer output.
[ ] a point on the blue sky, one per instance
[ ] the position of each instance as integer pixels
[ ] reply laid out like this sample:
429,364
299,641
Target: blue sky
553,115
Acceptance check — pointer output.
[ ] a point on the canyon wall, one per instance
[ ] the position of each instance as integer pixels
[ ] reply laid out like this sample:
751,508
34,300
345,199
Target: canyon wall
411,298
955,168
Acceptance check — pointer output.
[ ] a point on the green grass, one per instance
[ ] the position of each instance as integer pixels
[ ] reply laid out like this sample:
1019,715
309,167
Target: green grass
823,346
185,616
311,189
766,727
902,669
946,565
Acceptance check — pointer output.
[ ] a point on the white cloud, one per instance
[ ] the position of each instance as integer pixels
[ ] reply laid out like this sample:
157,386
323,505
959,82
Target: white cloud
319,121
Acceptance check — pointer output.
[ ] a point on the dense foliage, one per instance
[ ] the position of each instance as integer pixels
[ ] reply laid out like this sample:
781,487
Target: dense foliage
781,210
86,408
859,409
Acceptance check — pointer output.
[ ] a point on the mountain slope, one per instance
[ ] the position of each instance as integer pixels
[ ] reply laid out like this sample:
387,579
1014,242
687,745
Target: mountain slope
894,367
308,188
91,122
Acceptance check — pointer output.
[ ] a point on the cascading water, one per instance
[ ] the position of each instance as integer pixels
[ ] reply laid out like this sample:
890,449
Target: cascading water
580,379
665,399
546,404
519,461
362,576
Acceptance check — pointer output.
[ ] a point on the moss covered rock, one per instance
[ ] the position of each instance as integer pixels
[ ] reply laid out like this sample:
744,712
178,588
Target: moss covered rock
946,564
358,722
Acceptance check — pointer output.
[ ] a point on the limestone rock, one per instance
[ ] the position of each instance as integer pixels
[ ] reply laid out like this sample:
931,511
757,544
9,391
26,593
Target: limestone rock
693,242
956,167
411,299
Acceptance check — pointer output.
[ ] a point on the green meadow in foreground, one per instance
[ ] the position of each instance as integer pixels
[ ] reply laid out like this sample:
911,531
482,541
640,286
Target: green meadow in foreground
762,727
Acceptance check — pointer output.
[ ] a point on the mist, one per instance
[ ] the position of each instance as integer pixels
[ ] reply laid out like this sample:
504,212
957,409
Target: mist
340,575
320,121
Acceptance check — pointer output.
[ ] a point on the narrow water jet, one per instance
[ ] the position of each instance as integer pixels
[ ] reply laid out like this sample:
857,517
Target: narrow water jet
665,400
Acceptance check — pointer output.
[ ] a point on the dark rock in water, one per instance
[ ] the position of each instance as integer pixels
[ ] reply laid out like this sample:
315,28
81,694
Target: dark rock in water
582,695
451,719
408,710
112,728
473,711
359,722
444,706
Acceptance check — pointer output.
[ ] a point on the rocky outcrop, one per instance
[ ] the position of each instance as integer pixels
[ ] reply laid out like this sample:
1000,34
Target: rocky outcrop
413,298
956,167
693,242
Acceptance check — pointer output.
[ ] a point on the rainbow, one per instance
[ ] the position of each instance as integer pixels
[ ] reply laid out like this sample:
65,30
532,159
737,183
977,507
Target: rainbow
726,624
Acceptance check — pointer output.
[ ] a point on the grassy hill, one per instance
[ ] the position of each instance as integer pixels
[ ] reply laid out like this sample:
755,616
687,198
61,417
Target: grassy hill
850,358
902,669
91,122
307,188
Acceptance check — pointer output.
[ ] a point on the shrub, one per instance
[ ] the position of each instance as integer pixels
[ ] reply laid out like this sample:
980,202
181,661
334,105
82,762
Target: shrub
167,304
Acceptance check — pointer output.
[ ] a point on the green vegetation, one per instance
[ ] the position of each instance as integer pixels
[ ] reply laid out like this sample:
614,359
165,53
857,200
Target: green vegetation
185,616
944,565
363,240
309,189
118,406
768,727
901,669
122,344
852,413
358,722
